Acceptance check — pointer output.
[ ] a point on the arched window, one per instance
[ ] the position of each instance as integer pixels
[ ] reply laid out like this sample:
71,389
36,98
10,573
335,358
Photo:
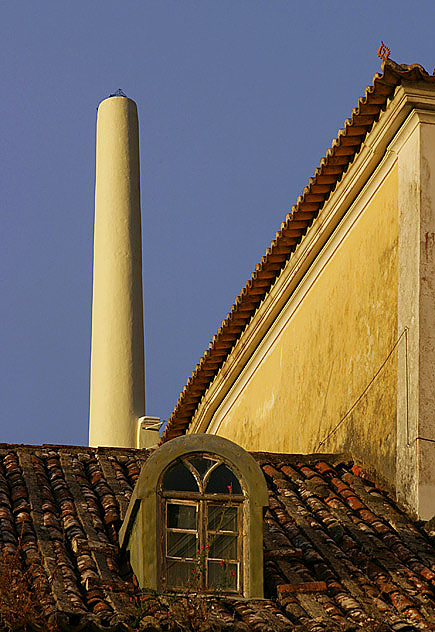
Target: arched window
195,518
202,517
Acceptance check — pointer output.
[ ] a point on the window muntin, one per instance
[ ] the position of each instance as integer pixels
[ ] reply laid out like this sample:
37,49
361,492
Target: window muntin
202,464
181,515
181,540
203,525
221,480
179,478
218,521
224,542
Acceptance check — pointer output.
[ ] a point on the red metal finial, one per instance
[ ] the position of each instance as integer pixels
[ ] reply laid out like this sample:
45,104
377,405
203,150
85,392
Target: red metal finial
383,51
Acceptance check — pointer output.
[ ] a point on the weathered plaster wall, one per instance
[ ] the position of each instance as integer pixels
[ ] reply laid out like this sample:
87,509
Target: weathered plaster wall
326,347
426,454
415,147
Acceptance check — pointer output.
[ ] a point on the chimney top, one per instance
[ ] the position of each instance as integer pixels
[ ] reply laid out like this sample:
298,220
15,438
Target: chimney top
118,93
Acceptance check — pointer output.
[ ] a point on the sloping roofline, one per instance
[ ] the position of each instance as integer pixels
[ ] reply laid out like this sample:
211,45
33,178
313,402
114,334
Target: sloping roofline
332,167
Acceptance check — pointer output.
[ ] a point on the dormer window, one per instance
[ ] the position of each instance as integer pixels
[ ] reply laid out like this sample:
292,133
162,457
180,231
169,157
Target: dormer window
202,517
195,519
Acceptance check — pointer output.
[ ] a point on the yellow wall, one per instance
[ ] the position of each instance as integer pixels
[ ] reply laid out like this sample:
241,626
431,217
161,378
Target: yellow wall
328,352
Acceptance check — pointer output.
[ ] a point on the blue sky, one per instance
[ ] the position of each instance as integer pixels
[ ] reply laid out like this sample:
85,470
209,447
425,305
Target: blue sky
237,100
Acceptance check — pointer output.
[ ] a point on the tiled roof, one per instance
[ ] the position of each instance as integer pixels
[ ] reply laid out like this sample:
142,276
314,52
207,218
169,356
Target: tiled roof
332,167
339,553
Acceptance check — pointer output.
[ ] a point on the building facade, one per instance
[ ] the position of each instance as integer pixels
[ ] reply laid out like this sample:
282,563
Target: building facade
331,345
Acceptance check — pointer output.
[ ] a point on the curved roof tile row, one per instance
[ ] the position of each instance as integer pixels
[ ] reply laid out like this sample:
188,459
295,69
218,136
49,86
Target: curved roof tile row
332,167
339,553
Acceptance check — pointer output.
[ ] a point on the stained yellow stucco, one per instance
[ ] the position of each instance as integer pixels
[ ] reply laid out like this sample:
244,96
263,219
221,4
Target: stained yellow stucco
329,351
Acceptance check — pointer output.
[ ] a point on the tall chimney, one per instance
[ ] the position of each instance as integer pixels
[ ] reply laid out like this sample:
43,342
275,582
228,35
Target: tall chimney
117,392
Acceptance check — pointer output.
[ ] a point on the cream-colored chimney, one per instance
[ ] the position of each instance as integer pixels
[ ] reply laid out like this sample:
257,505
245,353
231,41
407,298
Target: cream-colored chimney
117,397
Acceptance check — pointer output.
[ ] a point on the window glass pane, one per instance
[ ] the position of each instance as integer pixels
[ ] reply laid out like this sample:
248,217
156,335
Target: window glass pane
181,544
202,464
180,516
223,481
222,546
222,575
179,479
221,518
179,574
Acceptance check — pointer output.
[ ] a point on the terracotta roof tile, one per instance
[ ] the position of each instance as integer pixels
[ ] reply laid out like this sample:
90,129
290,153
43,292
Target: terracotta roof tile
339,553
330,171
